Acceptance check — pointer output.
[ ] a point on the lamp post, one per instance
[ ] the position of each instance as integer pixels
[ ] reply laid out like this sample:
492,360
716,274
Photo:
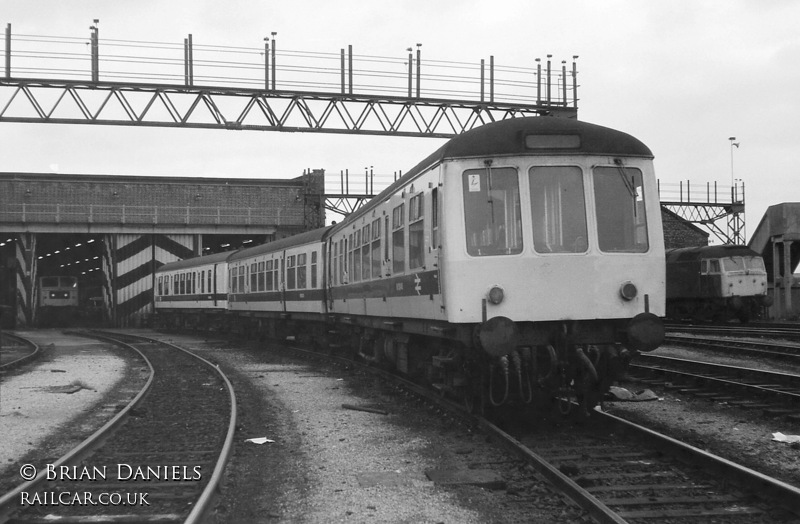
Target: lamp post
733,144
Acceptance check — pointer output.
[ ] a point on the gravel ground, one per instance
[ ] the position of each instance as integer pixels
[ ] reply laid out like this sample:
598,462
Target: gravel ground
331,464
740,435
70,381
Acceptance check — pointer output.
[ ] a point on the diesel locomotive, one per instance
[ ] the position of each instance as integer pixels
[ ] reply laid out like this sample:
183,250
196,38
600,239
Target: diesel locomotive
58,300
521,260
716,283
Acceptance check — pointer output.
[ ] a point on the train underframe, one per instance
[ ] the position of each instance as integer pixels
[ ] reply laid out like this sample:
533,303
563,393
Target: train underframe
576,360
720,309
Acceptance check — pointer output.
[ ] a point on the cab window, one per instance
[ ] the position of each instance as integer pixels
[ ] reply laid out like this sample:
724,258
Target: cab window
558,209
492,214
621,217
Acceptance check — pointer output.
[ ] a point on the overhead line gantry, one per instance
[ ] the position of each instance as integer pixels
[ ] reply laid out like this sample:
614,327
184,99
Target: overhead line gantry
209,94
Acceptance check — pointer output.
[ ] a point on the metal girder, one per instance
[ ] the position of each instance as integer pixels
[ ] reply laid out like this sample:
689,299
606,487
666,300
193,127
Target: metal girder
345,204
136,104
711,215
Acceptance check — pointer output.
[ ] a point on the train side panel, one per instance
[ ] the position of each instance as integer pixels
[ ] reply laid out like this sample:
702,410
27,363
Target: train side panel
386,263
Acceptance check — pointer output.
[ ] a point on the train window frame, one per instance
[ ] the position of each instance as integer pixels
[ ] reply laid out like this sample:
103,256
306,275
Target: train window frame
617,232
208,280
398,239
253,277
376,248
485,235
291,274
262,276
334,264
302,271
435,218
348,264
268,272
355,256
366,252
314,269
342,260
242,279
558,209
416,231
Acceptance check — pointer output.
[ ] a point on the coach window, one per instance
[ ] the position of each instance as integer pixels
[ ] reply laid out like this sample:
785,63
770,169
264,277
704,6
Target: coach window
366,265
313,269
342,262
386,238
160,282
176,284
559,210
333,265
376,248
301,271
348,259
492,212
416,232
242,280
253,277
621,217
355,245
194,282
435,218
398,239
291,273
210,287
261,277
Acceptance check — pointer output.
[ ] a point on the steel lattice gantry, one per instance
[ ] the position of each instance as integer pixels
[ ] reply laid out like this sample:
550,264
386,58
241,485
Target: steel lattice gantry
133,104
711,215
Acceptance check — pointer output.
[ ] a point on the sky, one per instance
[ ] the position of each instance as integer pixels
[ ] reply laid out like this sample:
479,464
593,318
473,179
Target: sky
682,76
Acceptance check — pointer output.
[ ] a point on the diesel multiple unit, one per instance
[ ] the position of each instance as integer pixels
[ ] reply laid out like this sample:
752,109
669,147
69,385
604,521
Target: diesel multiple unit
522,259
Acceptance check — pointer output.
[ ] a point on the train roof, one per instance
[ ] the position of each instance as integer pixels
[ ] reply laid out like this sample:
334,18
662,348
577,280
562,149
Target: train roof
308,237
685,254
196,261
540,135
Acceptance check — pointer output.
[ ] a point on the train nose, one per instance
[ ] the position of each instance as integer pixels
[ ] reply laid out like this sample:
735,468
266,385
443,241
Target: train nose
645,332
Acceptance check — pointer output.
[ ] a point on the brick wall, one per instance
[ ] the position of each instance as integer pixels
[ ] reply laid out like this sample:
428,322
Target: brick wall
680,233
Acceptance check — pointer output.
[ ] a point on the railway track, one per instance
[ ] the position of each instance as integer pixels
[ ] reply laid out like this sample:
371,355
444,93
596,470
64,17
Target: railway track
789,332
16,351
778,350
160,459
621,472
776,393
617,471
